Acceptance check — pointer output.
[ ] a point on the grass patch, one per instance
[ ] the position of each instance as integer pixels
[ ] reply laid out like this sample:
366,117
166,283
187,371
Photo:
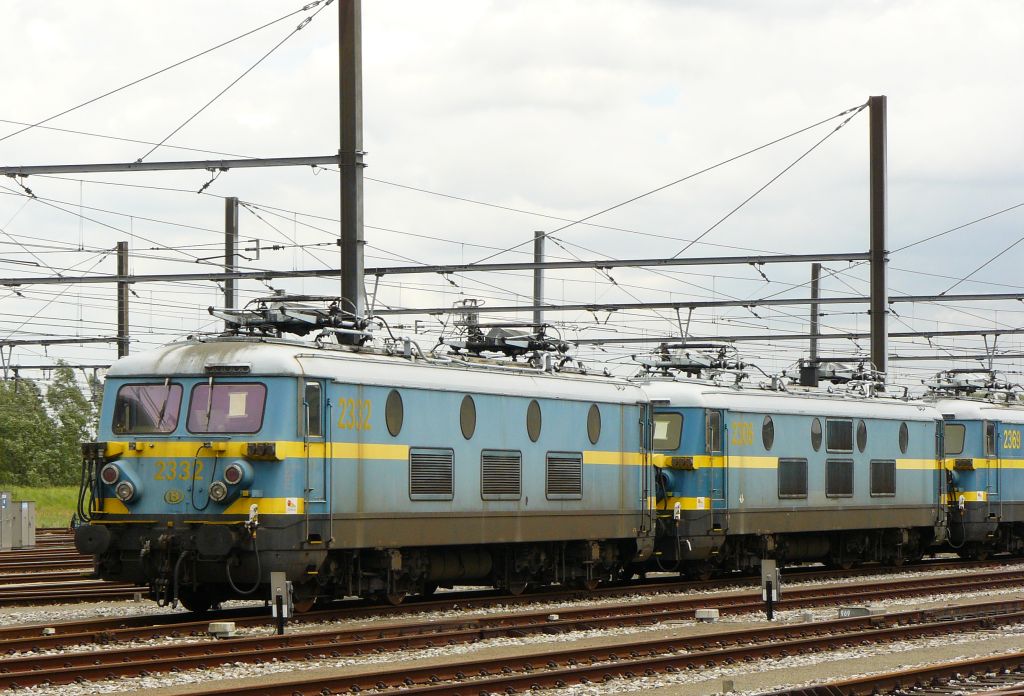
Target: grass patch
54,505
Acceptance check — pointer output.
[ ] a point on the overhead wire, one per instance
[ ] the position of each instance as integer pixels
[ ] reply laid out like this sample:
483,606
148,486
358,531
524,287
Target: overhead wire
252,67
158,72
687,177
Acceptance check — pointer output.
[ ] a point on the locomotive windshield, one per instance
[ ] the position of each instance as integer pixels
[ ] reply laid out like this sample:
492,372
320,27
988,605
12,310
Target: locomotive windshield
147,408
226,408
668,428
953,439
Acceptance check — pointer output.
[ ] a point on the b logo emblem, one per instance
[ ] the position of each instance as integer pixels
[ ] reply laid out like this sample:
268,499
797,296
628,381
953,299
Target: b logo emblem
173,496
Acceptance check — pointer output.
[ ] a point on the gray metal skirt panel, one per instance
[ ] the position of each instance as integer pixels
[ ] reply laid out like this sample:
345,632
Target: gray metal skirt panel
828,519
463,529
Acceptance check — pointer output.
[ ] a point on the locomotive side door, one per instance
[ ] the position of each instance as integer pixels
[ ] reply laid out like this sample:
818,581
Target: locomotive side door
714,446
993,434
312,423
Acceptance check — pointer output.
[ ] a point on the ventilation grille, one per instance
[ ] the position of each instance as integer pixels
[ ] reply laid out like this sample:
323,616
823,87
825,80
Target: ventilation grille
501,475
564,476
839,478
431,474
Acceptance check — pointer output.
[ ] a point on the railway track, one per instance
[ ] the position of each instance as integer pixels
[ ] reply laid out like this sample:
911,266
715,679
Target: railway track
112,662
990,675
181,625
540,668
76,590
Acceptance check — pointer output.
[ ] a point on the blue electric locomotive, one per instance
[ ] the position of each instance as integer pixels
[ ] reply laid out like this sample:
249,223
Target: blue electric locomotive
984,461
374,473
789,474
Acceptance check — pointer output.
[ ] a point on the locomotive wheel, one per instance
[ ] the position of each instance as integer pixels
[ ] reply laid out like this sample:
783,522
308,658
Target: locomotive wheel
303,604
588,584
196,601
517,587
394,598
700,570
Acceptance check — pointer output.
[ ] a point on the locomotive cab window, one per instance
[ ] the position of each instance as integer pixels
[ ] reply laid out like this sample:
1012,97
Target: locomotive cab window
668,429
147,408
990,439
839,435
713,431
953,438
226,408
311,404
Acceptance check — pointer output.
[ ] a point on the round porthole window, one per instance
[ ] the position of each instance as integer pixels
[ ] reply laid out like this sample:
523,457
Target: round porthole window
904,438
594,424
533,421
394,413
816,434
862,436
467,416
768,433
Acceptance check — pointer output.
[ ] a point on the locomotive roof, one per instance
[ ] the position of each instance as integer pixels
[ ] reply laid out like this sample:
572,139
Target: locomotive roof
706,395
280,357
978,409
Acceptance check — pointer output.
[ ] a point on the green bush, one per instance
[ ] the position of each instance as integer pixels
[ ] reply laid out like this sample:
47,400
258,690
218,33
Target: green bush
40,433
54,505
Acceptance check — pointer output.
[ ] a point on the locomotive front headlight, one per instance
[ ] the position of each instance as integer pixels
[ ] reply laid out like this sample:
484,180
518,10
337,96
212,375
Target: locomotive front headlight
218,491
125,491
234,474
110,474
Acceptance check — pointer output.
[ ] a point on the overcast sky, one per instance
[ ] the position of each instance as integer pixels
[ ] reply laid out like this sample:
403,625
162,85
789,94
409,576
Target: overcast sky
557,109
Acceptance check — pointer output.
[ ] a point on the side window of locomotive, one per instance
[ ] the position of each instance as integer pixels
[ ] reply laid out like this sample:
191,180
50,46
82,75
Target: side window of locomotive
226,408
952,438
312,404
713,431
839,435
792,478
668,430
768,433
147,408
839,478
990,439
594,424
816,434
394,412
883,478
